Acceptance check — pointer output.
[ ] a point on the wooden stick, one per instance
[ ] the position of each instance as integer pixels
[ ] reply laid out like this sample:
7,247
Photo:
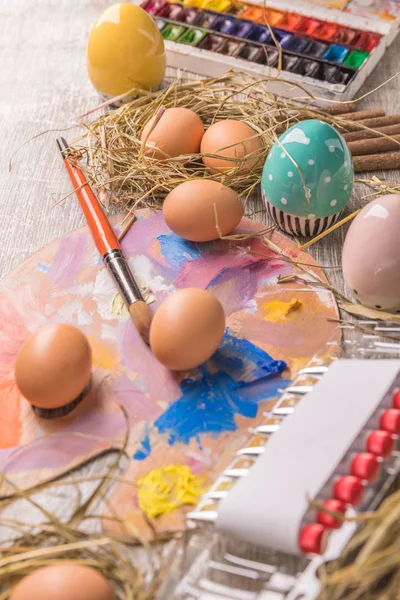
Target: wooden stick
127,227
363,114
377,162
364,134
377,122
374,145
339,109
331,110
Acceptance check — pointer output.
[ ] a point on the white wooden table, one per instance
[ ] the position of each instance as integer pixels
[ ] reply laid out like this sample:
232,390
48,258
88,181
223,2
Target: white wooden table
43,86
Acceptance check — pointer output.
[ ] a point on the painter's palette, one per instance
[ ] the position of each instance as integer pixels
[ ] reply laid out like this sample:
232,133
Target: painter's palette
327,46
196,419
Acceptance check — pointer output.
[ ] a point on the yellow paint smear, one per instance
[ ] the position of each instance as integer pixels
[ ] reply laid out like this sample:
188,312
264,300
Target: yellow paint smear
166,489
102,357
276,310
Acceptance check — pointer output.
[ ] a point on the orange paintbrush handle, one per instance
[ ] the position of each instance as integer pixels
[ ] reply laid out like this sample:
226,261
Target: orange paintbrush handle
101,230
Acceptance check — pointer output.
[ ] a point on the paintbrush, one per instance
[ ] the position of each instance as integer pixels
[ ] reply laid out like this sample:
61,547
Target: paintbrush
107,243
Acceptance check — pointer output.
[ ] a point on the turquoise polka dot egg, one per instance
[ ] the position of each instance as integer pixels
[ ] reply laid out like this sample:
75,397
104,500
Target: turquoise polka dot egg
307,178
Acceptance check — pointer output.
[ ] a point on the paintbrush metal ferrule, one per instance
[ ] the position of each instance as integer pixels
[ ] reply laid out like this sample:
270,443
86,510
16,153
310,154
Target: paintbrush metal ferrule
118,268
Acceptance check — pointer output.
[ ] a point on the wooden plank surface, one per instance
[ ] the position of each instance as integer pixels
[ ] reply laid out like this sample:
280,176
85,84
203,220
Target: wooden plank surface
43,86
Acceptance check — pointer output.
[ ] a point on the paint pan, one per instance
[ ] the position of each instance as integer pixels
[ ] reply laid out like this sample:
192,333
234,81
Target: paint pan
316,49
293,43
222,24
212,42
273,17
308,26
172,32
345,36
270,57
290,21
205,19
336,53
333,74
171,11
192,36
260,34
252,53
188,15
230,47
326,31
253,13
308,68
217,5
281,36
367,41
241,29
290,62
355,59
153,7
236,9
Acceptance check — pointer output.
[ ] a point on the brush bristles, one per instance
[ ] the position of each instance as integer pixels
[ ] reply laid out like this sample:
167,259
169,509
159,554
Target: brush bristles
141,315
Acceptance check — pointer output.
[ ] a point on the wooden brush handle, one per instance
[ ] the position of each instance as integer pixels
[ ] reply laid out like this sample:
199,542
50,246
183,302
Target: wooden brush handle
374,145
364,134
377,162
141,316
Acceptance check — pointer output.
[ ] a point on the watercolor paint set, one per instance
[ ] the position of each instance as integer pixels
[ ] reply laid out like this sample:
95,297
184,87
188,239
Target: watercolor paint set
329,48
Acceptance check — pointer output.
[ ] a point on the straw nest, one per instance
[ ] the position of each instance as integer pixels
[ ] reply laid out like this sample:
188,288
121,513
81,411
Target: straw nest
125,177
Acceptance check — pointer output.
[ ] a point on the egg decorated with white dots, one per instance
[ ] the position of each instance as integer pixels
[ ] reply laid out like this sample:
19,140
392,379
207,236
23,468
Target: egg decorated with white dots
371,255
307,178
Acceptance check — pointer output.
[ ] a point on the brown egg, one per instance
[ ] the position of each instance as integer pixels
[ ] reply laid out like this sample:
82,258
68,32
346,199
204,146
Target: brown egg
178,132
53,366
190,210
63,582
229,139
187,329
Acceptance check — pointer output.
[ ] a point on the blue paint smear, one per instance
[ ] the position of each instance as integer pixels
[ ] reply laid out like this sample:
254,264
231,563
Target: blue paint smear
177,251
145,449
221,389
43,268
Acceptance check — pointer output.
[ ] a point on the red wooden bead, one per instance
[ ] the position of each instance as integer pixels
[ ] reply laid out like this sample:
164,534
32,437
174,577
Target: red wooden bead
396,399
380,443
390,421
329,520
313,538
365,466
349,489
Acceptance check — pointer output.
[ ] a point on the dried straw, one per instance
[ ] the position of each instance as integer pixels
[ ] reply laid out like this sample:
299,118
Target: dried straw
369,567
53,541
115,157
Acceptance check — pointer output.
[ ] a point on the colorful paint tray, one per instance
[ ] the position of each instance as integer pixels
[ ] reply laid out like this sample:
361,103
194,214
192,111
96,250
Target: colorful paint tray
328,51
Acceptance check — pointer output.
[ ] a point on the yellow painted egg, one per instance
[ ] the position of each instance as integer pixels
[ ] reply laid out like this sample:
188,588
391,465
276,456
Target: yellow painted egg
125,50
178,132
187,329
201,210
235,146
53,366
65,582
